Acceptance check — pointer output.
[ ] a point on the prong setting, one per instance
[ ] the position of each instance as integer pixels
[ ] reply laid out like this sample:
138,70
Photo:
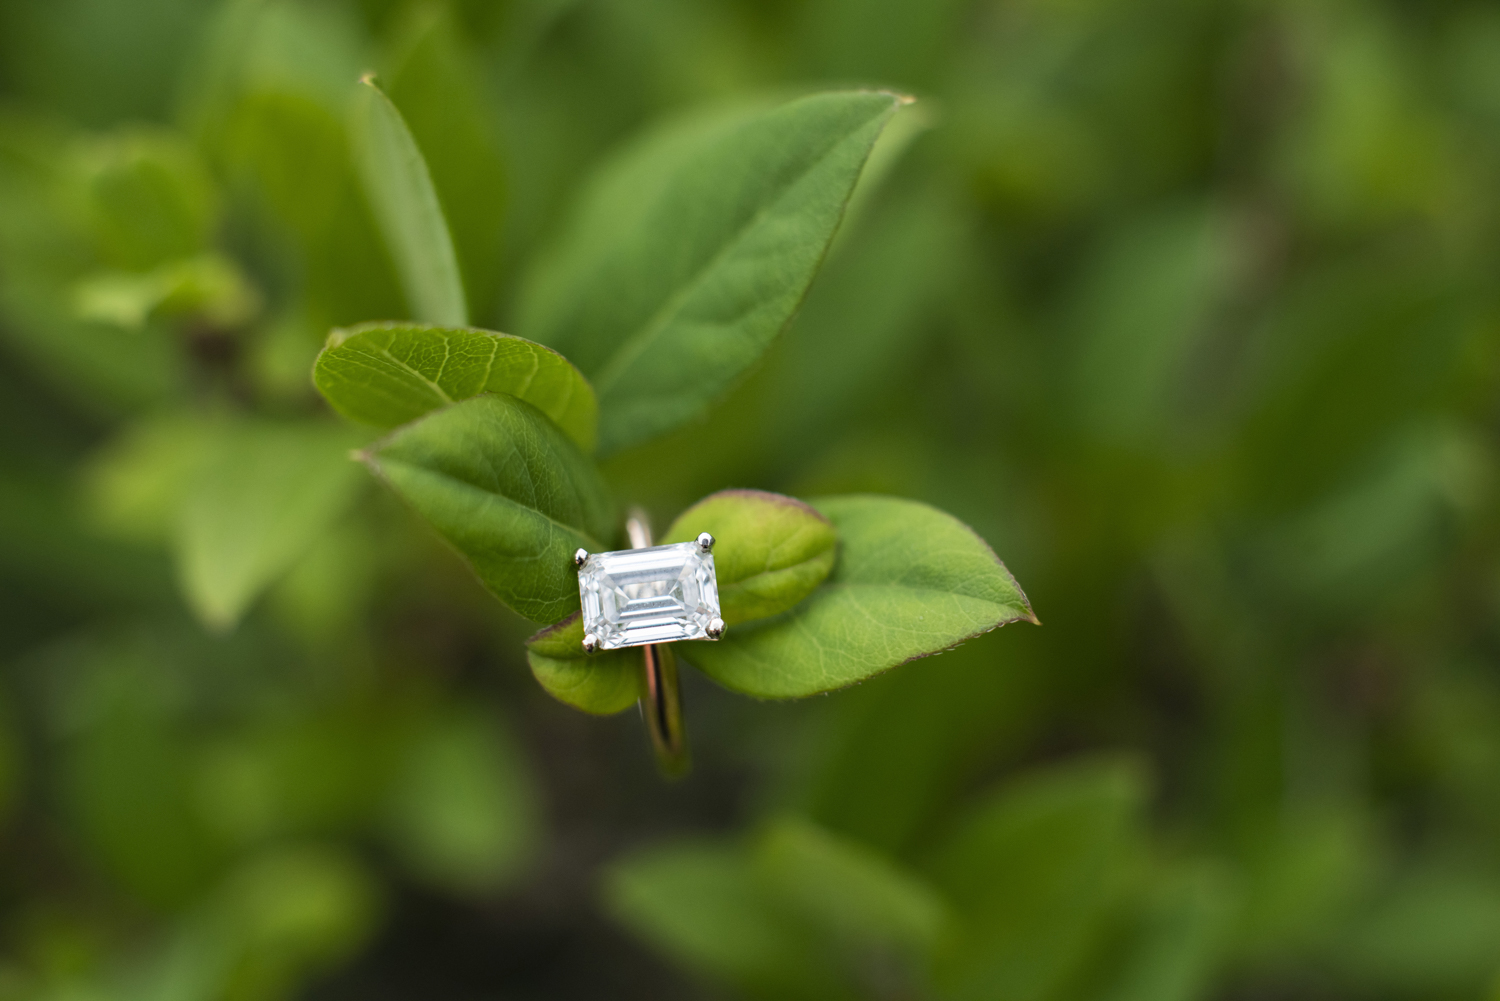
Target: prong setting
715,628
590,643
580,557
649,595
706,542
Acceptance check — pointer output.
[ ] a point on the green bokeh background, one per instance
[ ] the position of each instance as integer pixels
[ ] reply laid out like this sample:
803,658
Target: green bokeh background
1189,308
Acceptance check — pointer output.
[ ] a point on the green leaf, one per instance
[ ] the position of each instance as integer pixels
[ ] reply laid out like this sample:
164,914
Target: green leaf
703,905
770,550
293,153
290,912
909,581
133,485
439,93
901,742
125,777
689,253
147,198
847,888
387,374
1034,873
1313,866
1432,932
1385,525
603,683
461,812
323,768
406,206
272,105
1142,314
261,499
209,286
1179,936
509,491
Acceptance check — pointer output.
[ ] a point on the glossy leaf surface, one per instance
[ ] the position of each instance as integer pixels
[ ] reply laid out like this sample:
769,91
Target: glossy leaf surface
909,581
387,374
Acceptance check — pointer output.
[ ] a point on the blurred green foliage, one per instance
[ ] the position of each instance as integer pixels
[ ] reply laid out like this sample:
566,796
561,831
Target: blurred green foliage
1187,308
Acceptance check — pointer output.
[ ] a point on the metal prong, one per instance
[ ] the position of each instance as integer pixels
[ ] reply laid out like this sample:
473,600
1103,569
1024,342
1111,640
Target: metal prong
706,542
715,628
580,558
590,643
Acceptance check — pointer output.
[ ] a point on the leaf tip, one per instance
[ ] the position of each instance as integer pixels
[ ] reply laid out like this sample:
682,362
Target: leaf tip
369,80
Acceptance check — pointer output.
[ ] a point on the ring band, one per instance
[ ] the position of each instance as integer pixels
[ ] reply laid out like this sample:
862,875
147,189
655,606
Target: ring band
661,705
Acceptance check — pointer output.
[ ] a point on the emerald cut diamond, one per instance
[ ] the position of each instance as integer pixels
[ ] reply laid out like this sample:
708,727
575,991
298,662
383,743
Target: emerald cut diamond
660,594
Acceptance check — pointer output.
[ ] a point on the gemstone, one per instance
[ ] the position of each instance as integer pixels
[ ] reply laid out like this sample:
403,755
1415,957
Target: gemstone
659,594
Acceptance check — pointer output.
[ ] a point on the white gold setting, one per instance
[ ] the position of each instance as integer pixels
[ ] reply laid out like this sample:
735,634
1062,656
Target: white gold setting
660,594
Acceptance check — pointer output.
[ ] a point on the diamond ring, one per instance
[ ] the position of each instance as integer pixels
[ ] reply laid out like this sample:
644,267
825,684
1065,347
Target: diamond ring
649,596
